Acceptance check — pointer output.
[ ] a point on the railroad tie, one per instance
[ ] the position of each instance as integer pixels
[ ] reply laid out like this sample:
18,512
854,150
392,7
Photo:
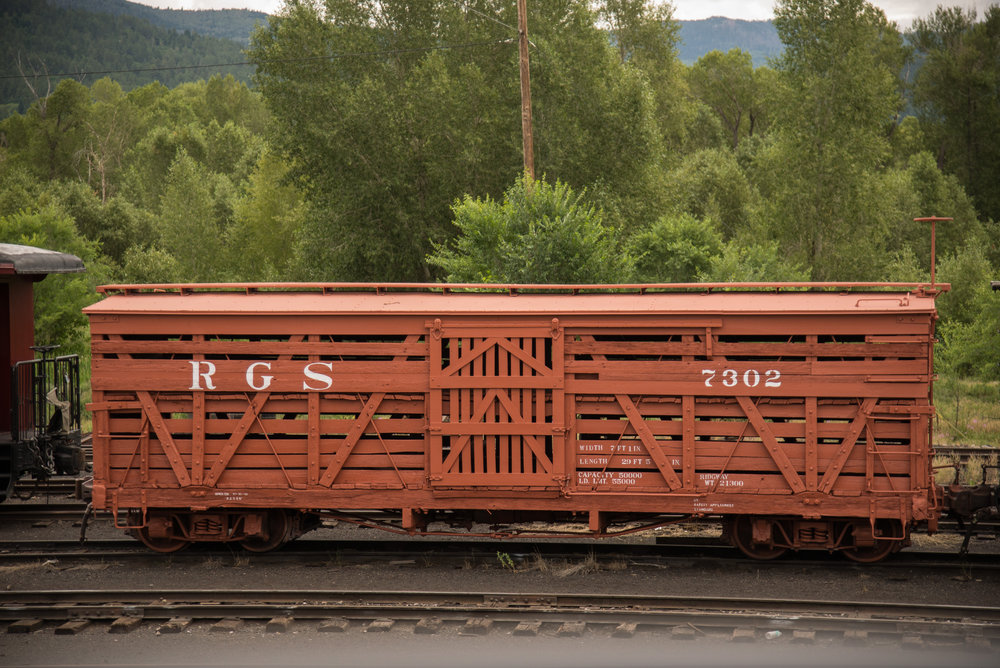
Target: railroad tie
532,628
428,626
174,625
125,624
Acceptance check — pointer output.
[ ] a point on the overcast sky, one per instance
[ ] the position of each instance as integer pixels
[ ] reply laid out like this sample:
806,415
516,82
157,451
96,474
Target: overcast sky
901,11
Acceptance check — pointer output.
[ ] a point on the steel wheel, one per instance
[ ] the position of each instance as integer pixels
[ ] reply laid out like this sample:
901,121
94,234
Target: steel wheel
279,526
741,534
882,547
165,545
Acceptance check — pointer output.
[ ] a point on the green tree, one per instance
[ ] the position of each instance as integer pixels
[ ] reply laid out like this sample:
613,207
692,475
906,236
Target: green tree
540,233
190,230
726,83
646,36
260,244
49,137
957,99
753,262
710,185
382,143
674,249
58,298
840,94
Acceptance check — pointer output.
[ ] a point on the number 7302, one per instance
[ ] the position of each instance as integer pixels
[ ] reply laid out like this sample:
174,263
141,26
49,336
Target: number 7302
749,378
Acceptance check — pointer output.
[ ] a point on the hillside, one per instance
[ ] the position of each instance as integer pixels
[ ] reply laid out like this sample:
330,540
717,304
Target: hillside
758,38
234,24
60,37
48,40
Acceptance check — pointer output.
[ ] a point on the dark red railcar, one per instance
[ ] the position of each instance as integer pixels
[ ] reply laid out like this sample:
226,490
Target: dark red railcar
799,414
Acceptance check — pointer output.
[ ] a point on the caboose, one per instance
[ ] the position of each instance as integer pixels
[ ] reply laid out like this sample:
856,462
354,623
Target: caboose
798,414
39,398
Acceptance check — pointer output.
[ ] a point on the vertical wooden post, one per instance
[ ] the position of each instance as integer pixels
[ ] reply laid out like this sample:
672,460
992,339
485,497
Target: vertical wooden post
687,443
812,443
313,409
526,130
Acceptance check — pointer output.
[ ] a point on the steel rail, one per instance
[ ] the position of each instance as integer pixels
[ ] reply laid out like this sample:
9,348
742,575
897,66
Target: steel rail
368,606
676,551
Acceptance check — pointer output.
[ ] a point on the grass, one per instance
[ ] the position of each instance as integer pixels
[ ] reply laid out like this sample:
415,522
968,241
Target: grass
968,412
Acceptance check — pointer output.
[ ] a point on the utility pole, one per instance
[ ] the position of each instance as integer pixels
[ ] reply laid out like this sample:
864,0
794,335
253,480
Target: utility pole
526,131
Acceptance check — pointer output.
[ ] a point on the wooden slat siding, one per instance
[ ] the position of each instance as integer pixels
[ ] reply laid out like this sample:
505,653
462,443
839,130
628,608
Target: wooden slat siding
849,442
677,417
435,409
716,428
474,398
748,446
812,437
489,451
144,451
648,482
253,408
500,389
529,414
230,375
369,445
229,402
897,465
175,325
652,369
833,386
641,429
198,442
689,451
291,460
165,439
102,433
920,438
347,445
831,408
645,482
765,434
252,349
751,349
313,418
216,428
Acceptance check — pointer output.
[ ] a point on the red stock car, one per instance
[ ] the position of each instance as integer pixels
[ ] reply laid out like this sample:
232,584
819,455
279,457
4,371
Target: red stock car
799,414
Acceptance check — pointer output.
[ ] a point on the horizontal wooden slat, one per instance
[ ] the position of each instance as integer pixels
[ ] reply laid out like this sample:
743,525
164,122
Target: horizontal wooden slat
748,349
896,464
735,483
263,350
327,446
288,461
286,376
731,429
792,386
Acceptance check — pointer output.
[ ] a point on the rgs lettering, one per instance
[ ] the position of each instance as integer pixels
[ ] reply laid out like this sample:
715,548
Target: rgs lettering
318,375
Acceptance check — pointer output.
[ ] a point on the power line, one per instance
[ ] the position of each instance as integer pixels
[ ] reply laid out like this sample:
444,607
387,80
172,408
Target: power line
336,56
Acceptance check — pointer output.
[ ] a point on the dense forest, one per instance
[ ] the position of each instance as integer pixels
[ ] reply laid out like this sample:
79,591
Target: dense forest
234,24
41,41
381,142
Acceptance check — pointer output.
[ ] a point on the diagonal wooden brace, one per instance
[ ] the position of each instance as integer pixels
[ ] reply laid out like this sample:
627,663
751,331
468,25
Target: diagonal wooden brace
772,445
242,427
846,445
166,439
646,436
353,436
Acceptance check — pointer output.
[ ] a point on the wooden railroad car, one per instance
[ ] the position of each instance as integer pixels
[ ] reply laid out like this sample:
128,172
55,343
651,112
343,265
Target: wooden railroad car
800,414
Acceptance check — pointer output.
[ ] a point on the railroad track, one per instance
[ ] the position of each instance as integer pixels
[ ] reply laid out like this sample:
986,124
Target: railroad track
518,614
42,512
60,486
670,552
